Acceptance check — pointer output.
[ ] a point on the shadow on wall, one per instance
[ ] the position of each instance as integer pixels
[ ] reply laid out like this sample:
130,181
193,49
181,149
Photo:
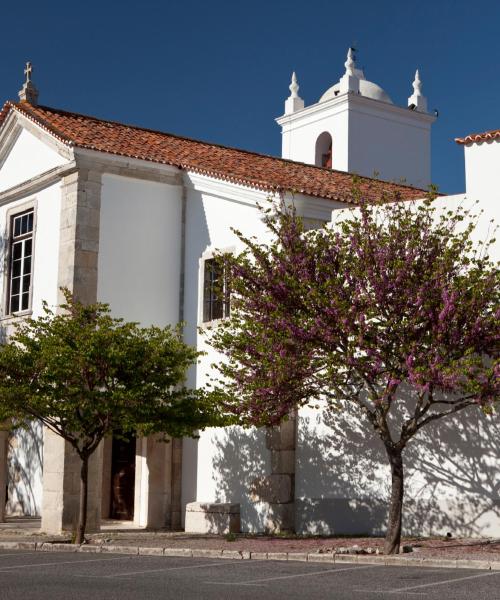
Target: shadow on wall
240,460
452,477
343,480
25,460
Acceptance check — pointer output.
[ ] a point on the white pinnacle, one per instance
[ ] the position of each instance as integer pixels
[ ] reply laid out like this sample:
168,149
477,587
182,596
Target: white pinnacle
350,63
417,84
294,102
349,82
294,86
417,101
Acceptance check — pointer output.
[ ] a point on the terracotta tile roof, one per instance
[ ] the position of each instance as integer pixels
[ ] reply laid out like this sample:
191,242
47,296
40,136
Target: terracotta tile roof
479,137
238,166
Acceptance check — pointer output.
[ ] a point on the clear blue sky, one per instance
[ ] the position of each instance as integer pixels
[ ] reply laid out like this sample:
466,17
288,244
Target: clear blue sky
219,70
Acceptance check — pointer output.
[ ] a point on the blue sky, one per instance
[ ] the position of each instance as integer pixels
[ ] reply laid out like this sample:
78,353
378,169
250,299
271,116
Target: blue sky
219,70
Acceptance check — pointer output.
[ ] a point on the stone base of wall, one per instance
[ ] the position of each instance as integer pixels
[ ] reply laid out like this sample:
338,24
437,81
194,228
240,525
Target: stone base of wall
204,517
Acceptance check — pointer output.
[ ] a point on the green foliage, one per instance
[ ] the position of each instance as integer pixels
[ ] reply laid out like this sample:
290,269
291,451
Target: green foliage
86,374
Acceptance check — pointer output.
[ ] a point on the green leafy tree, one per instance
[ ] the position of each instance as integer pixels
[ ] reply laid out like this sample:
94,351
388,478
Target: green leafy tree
86,375
392,314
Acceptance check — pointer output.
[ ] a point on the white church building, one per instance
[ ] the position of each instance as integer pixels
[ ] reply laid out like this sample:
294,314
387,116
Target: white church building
133,217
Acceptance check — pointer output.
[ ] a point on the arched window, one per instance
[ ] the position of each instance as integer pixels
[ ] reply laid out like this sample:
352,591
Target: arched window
324,150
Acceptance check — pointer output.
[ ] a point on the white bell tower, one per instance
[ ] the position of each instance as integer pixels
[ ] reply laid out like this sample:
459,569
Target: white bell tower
355,127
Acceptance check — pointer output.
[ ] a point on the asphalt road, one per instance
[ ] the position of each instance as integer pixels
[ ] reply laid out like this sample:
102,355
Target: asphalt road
65,576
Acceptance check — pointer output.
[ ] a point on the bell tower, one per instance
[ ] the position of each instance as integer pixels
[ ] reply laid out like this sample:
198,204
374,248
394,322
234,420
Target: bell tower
356,127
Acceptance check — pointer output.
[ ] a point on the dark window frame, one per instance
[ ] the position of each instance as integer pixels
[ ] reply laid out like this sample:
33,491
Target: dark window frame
20,276
216,296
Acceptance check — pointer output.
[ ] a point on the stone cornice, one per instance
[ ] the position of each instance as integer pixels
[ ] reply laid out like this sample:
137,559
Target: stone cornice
310,207
37,183
113,164
226,189
340,102
307,206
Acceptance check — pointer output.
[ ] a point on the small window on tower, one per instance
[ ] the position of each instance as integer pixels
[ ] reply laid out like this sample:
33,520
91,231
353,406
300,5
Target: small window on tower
324,151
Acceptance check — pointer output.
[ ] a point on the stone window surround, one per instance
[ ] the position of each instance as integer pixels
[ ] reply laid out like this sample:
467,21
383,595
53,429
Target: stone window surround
208,255
31,204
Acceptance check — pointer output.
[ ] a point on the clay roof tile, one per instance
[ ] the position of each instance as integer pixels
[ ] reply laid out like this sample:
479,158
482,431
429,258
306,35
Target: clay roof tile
238,166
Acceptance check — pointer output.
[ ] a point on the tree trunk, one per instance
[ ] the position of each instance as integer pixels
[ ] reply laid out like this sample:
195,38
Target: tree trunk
393,535
82,515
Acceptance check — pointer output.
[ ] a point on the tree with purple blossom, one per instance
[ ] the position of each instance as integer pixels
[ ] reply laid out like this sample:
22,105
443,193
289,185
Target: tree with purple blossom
392,311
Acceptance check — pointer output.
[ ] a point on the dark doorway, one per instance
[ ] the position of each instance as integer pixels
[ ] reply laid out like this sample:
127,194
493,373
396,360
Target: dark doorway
122,479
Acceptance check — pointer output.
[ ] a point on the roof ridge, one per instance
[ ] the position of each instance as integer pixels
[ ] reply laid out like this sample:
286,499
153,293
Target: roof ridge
53,110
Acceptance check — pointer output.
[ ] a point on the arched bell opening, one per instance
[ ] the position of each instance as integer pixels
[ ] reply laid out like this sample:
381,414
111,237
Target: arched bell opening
324,151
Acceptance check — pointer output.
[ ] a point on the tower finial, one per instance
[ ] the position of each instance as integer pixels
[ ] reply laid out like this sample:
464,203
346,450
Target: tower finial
294,86
350,63
349,82
417,101
417,84
28,92
294,102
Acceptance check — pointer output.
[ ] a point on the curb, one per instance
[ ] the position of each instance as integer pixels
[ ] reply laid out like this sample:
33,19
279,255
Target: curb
312,557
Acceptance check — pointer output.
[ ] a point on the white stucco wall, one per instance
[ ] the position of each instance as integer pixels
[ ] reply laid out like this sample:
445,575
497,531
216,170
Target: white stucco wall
140,249
220,465
395,146
223,463
16,167
482,172
26,446
485,210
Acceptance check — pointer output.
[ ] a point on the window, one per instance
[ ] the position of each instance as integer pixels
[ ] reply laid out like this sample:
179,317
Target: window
216,293
21,260
324,150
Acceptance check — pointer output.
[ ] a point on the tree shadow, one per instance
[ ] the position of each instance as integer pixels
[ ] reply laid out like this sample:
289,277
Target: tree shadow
240,460
454,468
452,476
338,487
24,464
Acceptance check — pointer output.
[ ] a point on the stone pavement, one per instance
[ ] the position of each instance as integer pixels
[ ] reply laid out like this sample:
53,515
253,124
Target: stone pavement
446,552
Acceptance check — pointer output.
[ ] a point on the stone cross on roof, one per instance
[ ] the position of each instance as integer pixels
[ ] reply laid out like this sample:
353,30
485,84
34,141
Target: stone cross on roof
28,70
28,92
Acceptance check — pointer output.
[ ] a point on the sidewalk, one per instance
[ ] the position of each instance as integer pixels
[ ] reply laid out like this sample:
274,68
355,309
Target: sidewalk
461,552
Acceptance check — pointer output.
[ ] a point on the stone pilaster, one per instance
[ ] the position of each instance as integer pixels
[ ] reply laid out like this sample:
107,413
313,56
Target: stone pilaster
78,255
157,484
280,484
4,449
79,234
61,486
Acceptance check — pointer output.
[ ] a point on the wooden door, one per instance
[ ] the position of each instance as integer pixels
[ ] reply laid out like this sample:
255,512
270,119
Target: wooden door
122,479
